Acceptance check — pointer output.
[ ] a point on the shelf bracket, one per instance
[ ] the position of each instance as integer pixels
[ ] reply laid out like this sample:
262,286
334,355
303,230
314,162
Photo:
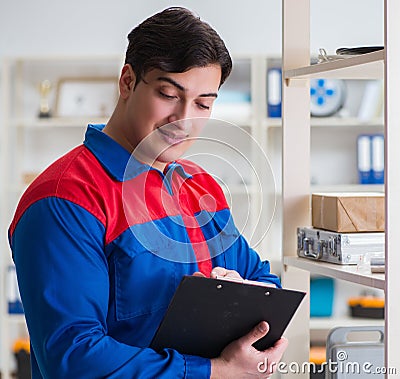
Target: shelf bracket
291,82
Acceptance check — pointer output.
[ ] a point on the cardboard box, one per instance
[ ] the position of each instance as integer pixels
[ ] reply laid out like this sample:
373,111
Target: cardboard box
349,212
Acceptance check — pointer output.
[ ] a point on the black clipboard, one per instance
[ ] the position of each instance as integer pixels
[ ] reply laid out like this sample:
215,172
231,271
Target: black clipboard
206,314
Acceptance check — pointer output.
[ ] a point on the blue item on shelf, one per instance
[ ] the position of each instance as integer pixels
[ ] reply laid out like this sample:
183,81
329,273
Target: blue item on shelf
13,296
274,92
15,307
377,164
321,297
364,159
370,158
327,96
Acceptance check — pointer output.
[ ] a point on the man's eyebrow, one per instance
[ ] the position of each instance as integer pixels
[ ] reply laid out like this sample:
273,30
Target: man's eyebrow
171,81
211,94
181,88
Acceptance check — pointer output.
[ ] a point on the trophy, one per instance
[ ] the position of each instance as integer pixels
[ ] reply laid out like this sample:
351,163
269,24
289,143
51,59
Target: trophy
44,89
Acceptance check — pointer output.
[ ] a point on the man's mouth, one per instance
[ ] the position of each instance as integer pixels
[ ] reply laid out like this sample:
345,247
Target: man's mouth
170,137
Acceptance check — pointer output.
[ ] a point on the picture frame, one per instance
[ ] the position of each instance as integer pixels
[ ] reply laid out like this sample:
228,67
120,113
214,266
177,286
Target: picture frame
86,96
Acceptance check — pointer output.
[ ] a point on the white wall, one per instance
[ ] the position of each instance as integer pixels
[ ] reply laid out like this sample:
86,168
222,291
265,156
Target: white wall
253,26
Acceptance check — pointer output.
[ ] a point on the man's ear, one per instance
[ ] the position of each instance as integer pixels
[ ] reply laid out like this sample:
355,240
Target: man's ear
126,81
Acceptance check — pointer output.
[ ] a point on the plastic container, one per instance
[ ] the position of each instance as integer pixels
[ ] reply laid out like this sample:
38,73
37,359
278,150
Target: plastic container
21,351
367,307
321,297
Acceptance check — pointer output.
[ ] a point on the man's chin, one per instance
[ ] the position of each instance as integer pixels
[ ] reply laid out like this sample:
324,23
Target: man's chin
167,158
173,152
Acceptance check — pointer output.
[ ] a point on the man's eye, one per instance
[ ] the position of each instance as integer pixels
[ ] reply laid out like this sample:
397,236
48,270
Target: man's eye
202,106
167,96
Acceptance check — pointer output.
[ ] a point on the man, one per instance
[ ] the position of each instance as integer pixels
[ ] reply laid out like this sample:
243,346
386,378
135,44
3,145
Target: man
102,238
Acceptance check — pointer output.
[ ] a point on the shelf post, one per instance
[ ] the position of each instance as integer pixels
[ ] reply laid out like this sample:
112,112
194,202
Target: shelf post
392,186
296,165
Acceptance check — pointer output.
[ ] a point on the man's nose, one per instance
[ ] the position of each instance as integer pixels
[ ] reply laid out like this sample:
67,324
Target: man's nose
184,124
182,117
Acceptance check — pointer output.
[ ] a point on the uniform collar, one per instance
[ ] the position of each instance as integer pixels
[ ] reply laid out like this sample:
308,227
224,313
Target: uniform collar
117,161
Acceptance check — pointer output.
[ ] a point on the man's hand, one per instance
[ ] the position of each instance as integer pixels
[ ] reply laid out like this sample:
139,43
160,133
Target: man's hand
241,360
221,272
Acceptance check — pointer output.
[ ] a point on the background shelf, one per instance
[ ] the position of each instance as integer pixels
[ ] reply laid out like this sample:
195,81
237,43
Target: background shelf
56,122
326,323
366,66
344,272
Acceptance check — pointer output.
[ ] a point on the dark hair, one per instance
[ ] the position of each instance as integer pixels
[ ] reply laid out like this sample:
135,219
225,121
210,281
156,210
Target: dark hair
175,40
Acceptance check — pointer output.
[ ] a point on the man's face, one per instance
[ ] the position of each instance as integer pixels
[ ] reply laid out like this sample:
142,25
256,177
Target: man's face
166,111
